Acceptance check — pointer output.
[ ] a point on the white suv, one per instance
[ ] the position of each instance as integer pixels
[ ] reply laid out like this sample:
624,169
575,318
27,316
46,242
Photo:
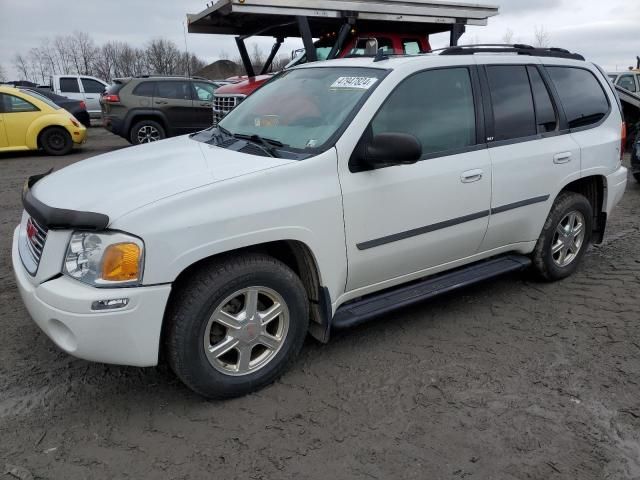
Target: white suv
338,191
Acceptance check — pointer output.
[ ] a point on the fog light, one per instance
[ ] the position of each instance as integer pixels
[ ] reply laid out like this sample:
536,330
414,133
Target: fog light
111,304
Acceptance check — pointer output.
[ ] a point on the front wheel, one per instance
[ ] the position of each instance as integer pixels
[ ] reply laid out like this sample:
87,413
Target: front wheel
564,238
637,177
236,326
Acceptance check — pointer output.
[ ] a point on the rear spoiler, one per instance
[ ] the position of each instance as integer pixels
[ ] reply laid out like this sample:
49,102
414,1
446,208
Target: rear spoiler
59,218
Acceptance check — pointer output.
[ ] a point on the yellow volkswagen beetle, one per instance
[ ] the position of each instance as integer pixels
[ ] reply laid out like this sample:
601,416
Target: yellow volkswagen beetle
29,121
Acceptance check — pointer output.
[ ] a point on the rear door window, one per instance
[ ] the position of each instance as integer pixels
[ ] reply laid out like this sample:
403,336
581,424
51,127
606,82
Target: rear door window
145,89
581,94
173,90
92,86
69,85
513,109
546,116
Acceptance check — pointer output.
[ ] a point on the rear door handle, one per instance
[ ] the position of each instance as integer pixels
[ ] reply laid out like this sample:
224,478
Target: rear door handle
562,158
472,176
160,102
206,105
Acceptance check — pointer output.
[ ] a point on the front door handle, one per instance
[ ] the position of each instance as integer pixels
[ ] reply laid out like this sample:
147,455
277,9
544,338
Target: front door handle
562,158
161,102
472,176
206,105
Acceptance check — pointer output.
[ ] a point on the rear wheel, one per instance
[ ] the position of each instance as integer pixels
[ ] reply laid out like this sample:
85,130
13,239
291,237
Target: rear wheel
564,238
637,177
56,141
236,326
146,131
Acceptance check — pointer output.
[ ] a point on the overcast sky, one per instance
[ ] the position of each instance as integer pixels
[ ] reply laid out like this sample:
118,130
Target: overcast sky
605,31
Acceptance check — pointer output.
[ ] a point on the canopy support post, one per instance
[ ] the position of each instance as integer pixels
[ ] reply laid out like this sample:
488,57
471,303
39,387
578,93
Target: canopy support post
244,55
307,39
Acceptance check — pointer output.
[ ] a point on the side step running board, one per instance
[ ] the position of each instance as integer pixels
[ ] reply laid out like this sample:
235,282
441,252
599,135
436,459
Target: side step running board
360,311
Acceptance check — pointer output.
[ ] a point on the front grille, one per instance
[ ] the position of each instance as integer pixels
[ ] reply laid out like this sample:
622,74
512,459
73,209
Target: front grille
223,104
36,238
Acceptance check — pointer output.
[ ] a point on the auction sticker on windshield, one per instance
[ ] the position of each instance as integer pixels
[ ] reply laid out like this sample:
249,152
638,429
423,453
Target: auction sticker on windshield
359,83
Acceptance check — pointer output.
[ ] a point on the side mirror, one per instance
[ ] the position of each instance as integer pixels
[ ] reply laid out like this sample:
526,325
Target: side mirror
387,149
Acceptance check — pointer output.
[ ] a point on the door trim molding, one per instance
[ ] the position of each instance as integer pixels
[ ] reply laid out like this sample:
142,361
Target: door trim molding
396,237
421,231
520,204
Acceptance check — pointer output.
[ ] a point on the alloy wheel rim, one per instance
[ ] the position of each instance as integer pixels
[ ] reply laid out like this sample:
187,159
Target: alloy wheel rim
568,239
148,134
246,331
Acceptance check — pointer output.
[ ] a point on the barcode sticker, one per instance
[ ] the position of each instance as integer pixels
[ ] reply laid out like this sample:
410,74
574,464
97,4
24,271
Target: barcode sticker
359,83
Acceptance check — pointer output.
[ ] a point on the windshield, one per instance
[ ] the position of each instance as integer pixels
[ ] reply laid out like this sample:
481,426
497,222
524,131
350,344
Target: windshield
303,108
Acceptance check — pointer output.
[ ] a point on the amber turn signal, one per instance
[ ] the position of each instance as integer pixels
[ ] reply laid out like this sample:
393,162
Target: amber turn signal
121,263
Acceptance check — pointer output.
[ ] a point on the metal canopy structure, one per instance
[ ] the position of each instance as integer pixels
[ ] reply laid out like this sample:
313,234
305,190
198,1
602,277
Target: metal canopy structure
251,17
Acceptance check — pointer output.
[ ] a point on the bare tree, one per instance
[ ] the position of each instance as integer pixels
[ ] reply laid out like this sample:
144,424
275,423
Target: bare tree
508,37
86,52
22,65
189,64
542,39
63,46
78,54
3,77
163,56
39,65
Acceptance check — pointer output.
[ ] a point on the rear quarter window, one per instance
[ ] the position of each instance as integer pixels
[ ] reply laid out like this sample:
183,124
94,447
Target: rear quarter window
583,98
145,89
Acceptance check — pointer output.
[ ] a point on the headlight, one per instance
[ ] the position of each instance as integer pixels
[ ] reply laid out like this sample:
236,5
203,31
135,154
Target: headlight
105,259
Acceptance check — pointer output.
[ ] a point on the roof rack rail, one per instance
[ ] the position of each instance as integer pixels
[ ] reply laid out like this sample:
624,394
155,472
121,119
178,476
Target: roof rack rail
156,75
519,49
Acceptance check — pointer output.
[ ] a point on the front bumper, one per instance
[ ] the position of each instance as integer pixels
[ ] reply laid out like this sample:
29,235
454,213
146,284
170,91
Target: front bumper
78,134
61,307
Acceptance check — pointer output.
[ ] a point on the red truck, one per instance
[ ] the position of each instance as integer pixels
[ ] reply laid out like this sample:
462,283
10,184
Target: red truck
344,28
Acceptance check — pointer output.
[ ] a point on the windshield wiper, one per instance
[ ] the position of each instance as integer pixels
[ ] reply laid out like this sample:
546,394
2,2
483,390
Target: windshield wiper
225,131
267,143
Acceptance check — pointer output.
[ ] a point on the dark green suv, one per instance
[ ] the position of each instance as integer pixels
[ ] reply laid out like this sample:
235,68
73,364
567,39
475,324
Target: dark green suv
147,109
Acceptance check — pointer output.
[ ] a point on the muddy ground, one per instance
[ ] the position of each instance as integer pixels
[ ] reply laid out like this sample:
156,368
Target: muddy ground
512,379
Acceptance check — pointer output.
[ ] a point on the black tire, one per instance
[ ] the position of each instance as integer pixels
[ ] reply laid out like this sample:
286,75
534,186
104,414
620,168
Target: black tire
637,177
544,263
194,303
56,141
155,132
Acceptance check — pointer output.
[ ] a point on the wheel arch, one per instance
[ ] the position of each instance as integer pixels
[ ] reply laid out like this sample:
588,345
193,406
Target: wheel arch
38,135
594,189
145,114
296,255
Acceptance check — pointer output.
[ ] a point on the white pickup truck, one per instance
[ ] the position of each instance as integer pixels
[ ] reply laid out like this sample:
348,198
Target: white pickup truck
80,87
338,191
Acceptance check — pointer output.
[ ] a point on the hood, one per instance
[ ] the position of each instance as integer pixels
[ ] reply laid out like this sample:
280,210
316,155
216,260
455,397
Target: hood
119,182
245,87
